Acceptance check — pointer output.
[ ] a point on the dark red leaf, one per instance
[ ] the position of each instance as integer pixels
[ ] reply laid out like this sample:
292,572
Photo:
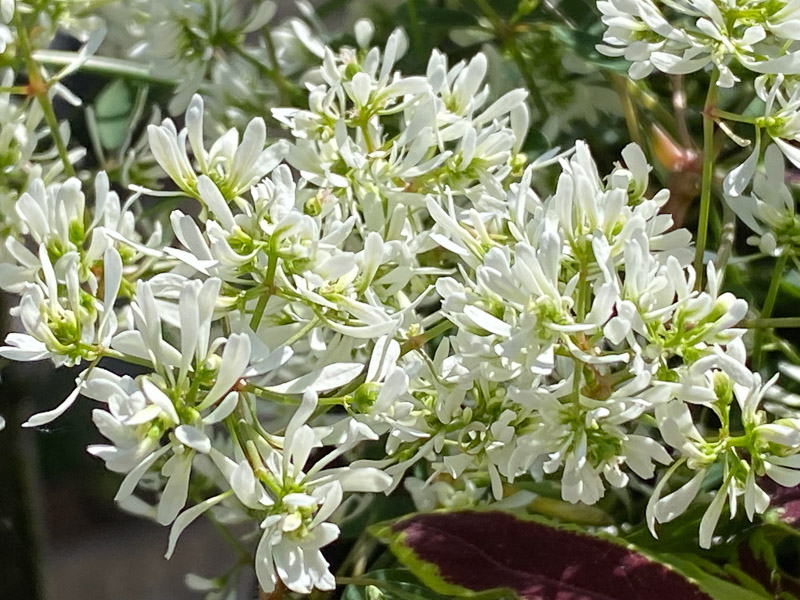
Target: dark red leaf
786,500
482,551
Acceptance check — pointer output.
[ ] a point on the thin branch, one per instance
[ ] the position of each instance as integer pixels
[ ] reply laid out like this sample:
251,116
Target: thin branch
708,176
102,65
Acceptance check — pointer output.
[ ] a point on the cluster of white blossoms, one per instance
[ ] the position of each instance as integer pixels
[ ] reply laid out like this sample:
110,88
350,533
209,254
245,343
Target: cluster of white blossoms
181,37
684,36
391,277
759,40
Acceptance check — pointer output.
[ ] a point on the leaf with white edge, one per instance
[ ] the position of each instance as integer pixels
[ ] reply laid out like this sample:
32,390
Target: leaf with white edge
472,552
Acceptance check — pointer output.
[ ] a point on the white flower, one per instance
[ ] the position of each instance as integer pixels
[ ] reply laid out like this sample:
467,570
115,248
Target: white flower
184,40
232,165
301,502
699,33
62,321
169,400
765,449
7,8
769,210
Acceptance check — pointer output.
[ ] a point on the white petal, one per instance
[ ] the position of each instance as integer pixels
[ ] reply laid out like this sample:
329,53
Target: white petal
740,177
235,358
134,475
210,194
43,418
187,517
327,378
193,438
487,321
265,566
246,487
223,409
710,518
176,491
675,504
160,399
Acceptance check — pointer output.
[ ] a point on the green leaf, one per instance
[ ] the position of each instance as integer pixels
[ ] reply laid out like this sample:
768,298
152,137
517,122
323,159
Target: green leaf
717,588
583,43
445,18
396,584
113,109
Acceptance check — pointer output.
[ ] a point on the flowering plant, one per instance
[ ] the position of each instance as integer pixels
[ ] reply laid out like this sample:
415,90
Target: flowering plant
352,267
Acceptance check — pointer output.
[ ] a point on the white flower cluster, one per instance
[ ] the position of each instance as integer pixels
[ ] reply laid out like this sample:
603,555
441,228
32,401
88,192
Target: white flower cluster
684,36
583,342
377,142
410,287
181,38
762,199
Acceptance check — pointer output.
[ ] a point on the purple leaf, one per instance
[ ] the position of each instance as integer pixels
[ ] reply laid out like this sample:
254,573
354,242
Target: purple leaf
473,551
785,500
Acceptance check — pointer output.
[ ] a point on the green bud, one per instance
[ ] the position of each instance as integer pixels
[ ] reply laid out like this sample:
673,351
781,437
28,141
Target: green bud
364,397
526,7
155,432
518,162
723,387
240,242
188,415
313,206
77,233
54,249
351,70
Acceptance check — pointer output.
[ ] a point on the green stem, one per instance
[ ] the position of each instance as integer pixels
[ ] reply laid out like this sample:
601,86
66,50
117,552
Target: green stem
774,285
628,109
15,89
416,30
101,65
40,89
636,92
505,33
360,581
270,395
269,283
418,341
280,80
729,116
774,322
142,362
52,122
530,82
302,332
769,305
708,177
